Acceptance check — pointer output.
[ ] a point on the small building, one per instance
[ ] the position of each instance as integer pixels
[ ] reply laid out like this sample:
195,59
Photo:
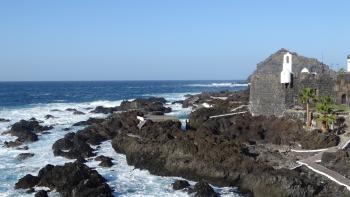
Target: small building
278,80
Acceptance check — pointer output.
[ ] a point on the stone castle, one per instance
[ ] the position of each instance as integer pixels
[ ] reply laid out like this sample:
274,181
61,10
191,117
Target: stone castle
278,80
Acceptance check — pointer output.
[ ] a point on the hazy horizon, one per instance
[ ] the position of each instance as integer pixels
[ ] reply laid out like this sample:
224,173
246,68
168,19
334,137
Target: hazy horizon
163,40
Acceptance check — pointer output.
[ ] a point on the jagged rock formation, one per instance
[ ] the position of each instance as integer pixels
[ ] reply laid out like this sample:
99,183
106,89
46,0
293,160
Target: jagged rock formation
71,179
273,64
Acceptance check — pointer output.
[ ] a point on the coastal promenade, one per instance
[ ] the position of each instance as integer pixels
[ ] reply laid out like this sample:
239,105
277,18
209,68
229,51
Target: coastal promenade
312,162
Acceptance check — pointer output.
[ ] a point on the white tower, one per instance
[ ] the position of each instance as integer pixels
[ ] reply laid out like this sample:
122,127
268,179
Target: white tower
348,63
286,74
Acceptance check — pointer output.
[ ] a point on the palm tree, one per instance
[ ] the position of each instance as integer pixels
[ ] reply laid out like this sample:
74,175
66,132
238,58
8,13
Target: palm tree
342,70
306,96
325,108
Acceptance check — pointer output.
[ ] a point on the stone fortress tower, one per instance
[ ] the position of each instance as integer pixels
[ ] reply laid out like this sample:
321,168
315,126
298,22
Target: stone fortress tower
278,80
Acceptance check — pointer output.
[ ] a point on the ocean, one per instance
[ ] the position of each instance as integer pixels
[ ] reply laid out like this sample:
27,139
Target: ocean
24,100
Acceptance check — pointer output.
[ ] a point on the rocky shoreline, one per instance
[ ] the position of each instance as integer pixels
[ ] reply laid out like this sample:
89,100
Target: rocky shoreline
251,153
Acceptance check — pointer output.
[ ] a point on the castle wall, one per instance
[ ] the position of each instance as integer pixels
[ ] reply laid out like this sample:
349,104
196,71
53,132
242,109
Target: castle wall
267,95
342,88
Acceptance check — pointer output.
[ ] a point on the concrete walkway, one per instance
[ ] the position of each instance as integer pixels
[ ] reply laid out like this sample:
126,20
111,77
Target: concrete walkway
313,161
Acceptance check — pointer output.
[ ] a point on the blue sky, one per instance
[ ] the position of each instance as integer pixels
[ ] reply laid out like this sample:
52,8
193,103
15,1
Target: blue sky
163,39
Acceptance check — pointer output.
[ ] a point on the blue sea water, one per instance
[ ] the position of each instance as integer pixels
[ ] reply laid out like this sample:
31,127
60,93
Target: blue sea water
24,100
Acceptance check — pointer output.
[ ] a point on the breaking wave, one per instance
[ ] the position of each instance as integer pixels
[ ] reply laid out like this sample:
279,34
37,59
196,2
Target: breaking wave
230,85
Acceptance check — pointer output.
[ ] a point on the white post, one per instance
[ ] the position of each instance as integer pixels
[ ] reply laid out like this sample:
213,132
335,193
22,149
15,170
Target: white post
286,69
348,60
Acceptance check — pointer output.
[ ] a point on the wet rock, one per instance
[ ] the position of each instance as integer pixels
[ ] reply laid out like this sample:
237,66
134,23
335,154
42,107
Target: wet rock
30,191
105,161
90,121
108,129
26,182
104,110
12,144
26,130
81,160
41,193
71,179
75,111
78,113
180,185
203,189
56,110
229,99
23,156
66,129
152,104
4,120
71,109
72,146
49,116
22,148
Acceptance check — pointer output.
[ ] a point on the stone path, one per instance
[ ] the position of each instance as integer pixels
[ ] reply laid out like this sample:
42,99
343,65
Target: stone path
313,161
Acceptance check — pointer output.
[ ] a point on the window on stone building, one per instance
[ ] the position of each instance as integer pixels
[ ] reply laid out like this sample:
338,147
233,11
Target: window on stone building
287,59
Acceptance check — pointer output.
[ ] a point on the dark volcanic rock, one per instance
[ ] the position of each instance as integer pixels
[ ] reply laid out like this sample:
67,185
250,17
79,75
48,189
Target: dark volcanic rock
23,156
105,161
203,189
180,184
245,128
71,110
72,146
233,99
90,121
4,120
316,139
56,110
12,144
75,111
76,145
49,116
72,179
104,110
109,128
26,130
41,193
338,161
152,104
217,152
78,113
26,182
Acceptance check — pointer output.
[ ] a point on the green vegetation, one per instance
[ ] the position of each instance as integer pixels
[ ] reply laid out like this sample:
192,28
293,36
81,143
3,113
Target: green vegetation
342,70
306,96
326,112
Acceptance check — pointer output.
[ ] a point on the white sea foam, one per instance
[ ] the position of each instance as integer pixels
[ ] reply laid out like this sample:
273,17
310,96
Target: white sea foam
171,97
126,180
231,85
